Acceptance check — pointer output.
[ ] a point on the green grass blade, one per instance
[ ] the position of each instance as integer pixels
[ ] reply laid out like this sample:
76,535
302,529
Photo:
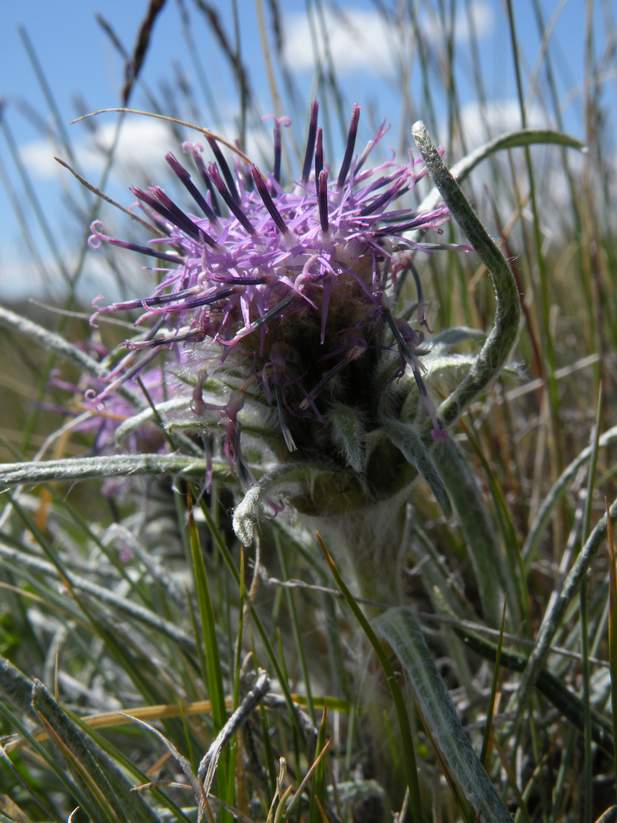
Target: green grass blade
490,713
90,761
211,656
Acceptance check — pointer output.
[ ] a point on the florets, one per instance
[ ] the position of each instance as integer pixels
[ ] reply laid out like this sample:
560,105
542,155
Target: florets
288,287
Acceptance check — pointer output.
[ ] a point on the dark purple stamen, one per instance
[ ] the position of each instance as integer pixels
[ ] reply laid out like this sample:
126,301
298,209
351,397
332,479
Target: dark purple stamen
162,205
287,435
395,191
413,220
147,302
310,142
322,193
224,167
154,204
262,188
137,367
276,169
268,315
417,223
242,281
200,301
351,144
232,204
182,220
160,255
206,178
185,178
410,357
318,157
323,382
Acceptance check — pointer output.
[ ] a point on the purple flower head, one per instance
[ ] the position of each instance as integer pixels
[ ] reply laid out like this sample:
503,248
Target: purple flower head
290,287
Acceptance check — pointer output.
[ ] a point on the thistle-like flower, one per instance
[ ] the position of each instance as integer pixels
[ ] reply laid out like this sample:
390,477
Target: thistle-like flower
284,293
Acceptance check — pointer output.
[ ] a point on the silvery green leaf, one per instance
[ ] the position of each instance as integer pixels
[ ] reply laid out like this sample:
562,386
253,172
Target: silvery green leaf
136,421
246,515
401,629
110,781
525,137
498,343
15,686
410,444
454,335
348,434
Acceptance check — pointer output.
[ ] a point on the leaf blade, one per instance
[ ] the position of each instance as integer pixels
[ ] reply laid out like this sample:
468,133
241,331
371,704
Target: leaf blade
400,628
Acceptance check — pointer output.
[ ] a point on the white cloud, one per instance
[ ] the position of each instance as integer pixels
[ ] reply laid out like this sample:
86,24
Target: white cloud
482,20
141,148
482,122
362,40
141,142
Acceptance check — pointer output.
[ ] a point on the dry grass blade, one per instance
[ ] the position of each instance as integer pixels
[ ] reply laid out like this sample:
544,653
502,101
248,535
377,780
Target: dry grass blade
207,767
140,49
238,68
106,197
173,751
168,119
163,711
307,776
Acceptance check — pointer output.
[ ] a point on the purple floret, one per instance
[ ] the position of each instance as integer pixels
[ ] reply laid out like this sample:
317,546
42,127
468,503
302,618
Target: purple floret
289,284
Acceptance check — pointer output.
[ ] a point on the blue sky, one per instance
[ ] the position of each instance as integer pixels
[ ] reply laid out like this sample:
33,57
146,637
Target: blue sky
78,60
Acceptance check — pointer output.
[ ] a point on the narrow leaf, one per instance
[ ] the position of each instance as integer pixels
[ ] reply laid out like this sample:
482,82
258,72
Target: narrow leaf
348,434
516,139
410,444
400,628
88,757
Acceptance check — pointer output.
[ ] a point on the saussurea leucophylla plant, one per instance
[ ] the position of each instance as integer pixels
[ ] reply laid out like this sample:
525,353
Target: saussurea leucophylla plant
276,301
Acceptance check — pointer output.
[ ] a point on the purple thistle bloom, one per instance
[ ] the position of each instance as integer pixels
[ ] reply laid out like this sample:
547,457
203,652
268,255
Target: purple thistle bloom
289,285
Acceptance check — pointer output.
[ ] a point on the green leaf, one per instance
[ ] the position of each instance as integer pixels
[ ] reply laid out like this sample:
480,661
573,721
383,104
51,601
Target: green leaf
348,434
245,520
454,335
89,762
499,341
481,540
15,686
400,628
513,140
410,444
